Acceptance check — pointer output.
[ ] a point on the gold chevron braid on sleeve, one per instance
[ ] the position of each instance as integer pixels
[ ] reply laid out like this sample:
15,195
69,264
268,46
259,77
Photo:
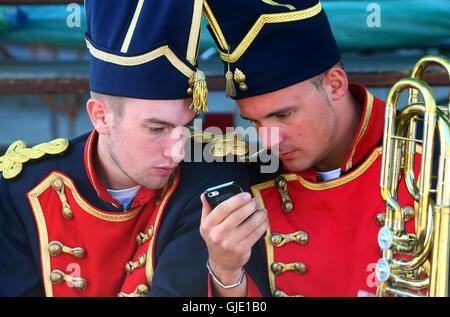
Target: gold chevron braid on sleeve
17,154
269,19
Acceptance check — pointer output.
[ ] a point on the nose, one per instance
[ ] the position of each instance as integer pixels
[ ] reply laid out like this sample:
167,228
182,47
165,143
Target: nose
270,137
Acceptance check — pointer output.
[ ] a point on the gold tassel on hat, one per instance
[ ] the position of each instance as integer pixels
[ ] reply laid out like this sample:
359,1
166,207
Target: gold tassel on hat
199,93
229,83
230,88
240,78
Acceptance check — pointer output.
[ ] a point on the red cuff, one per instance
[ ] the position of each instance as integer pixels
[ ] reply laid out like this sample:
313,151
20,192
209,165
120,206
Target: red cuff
210,294
252,289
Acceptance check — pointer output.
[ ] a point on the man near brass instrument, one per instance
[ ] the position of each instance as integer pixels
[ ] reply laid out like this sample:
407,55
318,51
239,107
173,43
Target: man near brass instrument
324,206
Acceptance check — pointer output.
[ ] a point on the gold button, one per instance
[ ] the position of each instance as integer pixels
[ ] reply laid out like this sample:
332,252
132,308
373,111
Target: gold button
141,260
280,182
55,248
276,239
300,268
57,184
129,267
276,268
142,289
67,213
140,238
79,253
278,293
79,283
57,276
380,219
302,237
288,206
243,87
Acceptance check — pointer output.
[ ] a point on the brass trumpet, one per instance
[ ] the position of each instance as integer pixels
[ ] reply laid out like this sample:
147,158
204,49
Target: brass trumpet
420,266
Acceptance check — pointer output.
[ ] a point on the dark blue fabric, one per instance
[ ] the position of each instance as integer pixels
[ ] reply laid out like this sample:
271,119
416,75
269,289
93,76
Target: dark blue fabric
160,23
180,252
282,54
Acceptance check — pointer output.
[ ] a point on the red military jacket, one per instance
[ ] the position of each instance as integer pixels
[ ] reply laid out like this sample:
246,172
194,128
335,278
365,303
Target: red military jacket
327,244
64,235
90,252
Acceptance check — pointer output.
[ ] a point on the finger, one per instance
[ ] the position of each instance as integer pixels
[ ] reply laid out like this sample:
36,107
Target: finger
225,208
251,230
258,232
248,242
206,208
239,216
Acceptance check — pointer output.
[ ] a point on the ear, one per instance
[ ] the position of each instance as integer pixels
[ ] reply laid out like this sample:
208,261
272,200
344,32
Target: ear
336,82
99,114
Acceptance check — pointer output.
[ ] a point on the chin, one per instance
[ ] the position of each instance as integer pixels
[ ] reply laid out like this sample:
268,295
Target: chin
155,182
295,166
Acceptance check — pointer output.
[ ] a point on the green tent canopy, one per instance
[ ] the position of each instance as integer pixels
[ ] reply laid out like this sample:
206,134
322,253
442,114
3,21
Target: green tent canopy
402,24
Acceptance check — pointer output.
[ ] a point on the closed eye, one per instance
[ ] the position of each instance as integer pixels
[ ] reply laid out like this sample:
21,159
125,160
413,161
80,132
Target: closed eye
156,130
283,115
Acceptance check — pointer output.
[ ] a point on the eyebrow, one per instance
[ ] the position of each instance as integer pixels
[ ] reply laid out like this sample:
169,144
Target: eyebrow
159,121
166,123
272,114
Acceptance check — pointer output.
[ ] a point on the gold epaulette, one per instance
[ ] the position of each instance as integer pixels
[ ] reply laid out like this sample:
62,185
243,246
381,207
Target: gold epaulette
17,154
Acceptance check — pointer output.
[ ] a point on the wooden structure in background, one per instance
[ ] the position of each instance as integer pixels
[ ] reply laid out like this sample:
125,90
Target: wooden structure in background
80,85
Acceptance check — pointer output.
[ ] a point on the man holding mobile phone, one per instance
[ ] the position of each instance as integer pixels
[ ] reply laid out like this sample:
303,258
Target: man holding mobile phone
231,229
282,65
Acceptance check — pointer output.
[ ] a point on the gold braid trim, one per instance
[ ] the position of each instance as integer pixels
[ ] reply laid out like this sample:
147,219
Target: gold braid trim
17,154
132,27
369,107
194,35
142,59
215,27
257,27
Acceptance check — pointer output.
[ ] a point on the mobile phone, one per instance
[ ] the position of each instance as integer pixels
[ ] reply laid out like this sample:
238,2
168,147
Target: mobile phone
217,194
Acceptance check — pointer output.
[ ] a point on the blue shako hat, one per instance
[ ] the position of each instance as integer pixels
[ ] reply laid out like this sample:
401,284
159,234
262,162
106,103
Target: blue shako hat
146,49
269,45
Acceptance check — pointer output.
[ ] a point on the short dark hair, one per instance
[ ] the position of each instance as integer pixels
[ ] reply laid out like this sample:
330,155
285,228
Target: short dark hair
317,81
115,102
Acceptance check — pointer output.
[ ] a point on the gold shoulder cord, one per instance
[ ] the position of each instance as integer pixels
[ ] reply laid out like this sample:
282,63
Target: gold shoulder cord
11,163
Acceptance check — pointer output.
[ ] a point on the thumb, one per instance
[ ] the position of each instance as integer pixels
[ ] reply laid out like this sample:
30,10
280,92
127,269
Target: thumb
206,208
